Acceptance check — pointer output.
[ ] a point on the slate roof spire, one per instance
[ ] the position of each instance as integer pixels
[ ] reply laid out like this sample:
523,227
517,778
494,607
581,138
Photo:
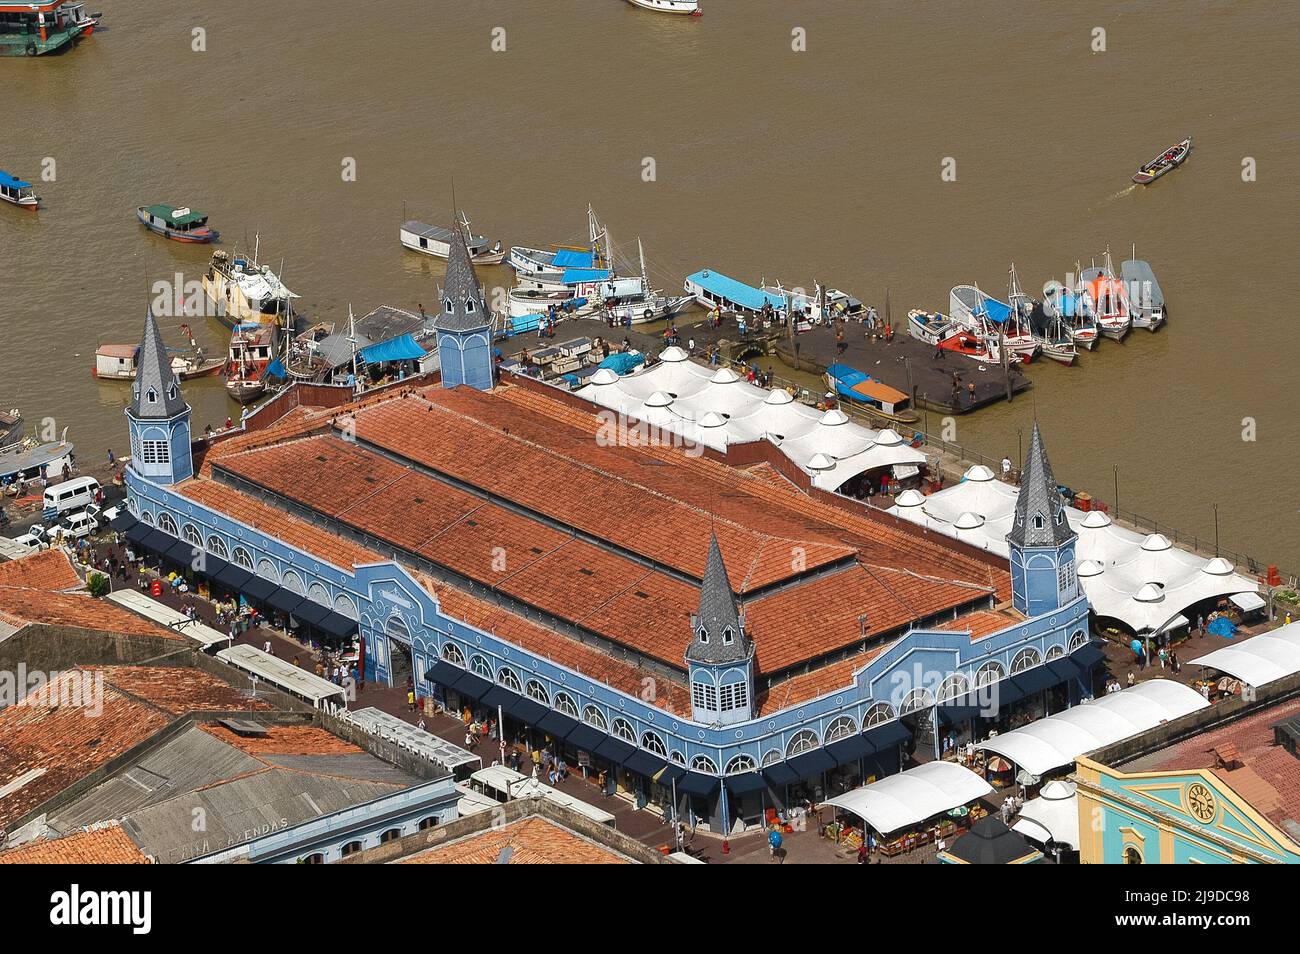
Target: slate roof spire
719,631
156,393
463,308
1040,508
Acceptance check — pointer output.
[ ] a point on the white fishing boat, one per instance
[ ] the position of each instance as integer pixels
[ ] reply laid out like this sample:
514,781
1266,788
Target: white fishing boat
993,320
253,347
930,328
436,241
1144,293
118,362
18,192
681,7
823,304
242,290
1074,310
1109,299
1052,334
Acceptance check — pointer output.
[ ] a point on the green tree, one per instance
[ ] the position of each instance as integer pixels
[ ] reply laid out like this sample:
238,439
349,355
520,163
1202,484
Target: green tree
98,585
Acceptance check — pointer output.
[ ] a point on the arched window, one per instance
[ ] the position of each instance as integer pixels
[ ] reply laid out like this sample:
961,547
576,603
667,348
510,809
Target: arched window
241,557
1132,856
217,547
167,524
267,571
740,763
651,742
537,692
351,848
879,713
132,506
702,763
344,606
146,517
989,673
1077,640
916,699
452,654
190,534
1055,652
623,729
1027,658
952,687
593,716
677,757
841,728
507,678
771,757
427,823
564,703
319,595
391,835
314,859
293,583
803,740
480,666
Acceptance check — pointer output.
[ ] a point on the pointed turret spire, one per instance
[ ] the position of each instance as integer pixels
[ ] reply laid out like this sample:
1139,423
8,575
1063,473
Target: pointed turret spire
719,631
463,308
1040,508
156,395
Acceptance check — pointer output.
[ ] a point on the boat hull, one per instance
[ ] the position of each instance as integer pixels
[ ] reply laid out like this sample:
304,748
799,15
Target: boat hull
438,248
690,8
1156,168
200,236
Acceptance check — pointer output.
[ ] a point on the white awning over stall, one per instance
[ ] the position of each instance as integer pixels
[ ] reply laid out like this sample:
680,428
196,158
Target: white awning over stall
897,801
1260,659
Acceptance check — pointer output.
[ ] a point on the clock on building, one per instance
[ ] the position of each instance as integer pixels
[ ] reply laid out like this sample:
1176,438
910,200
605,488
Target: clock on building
1200,803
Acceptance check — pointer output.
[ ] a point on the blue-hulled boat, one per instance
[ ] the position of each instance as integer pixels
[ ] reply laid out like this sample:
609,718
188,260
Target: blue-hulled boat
18,192
874,396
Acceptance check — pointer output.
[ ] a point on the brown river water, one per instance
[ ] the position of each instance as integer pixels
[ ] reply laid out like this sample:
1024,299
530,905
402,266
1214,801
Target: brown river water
821,164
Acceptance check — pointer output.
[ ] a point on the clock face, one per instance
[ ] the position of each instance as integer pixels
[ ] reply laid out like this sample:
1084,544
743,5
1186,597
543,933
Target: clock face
1201,803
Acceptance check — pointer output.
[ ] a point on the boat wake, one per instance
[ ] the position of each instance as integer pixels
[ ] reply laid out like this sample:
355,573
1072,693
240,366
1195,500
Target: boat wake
1122,192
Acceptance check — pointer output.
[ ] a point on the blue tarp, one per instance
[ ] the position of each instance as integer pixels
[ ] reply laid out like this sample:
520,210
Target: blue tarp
402,348
573,258
275,369
738,292
996,310
573,276
7,180
623,362
845,378
1222,626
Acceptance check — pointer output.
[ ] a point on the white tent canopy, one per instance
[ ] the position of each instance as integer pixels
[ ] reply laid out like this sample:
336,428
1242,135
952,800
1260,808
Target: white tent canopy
1053,815
1142,580
1059,739
1259,659
284,675
715,407
913,796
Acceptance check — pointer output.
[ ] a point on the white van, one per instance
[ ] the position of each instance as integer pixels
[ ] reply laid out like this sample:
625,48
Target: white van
71,494
73,527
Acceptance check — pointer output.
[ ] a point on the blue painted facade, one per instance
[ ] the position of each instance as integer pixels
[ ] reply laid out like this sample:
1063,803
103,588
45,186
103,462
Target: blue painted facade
466,358
1190,817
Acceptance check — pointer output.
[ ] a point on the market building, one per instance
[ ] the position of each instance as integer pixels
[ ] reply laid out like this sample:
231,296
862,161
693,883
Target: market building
701,623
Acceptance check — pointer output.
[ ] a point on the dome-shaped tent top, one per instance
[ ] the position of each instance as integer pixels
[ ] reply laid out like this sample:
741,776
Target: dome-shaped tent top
820,462
779,396
968,521
604,376
834,417
1095,520
1156,542
1149,593
888,437
712,419
725,376
672,354
979,473
909,498
659,399
1089,568
1217,566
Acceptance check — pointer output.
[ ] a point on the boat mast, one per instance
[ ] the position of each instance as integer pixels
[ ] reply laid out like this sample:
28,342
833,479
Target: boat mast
352,340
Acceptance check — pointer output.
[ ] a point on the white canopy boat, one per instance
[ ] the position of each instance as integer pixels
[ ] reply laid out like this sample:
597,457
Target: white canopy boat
436,241
1052,334
1074,310
930,328
993,320
683,7
1144,293
1109,299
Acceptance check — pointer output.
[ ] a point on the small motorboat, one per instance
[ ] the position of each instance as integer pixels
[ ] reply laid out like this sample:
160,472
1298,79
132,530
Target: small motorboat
972,346
17,192
875,397
684,7
178,224
1167,161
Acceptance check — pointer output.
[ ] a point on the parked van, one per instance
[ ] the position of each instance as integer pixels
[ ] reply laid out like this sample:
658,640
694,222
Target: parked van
71,494
73,527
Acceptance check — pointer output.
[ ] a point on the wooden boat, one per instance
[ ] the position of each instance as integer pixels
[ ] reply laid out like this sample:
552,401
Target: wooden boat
930,328
435,240
37,27
973,346
992,320
1167,161
118,362
11,429
1051,334
253,347
684,7
715,290
242,290
1144,293
1074,311
1109,299
877,398
17,192
178,224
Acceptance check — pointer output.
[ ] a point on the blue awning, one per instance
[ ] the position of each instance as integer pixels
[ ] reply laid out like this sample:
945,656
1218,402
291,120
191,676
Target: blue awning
1063,668
475,687
1035,680
812,763
573,276
694,783
556,724
778,773
497,696
402,348
526,710
643,763
336,624
615,750
847,751
258,588
890,733
7,180
573,258
584,737
745,783
311,613
1087,656
286,601
443,673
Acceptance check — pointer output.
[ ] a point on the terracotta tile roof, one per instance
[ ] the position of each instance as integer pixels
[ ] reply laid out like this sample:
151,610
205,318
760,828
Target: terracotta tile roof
261,516
533,841
821,616
1267,776
46,570
981,623
20,606
108,845
67,728
812,685
285,740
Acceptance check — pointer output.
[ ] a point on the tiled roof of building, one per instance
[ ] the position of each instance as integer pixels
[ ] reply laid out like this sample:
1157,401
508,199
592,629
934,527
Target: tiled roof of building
981,623
529,841
106,845
1265,775
285,740
67,728
818,682
44,570
21,606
